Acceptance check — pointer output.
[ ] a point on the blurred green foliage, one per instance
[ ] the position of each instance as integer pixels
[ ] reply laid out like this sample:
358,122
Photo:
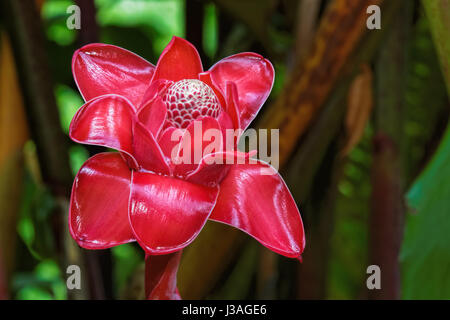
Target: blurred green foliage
37,206
55,15
348,261
239,282
158,19
425,99
43,283
69,101
210,30
127,258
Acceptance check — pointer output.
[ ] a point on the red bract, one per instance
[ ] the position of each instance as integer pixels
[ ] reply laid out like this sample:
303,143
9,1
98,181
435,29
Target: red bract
140,193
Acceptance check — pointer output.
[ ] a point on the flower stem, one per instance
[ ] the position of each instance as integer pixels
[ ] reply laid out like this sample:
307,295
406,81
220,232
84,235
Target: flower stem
161,276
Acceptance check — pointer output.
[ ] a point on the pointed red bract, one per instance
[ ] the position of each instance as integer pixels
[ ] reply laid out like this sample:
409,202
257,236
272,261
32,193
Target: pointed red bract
253,76
261,205
147,151
166,214
105,121
157,87
98,216
232,104
101,69
179,60
206,78
153,116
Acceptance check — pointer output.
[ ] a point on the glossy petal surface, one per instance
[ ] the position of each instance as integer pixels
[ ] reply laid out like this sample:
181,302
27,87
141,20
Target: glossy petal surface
253,76
147,151
179,60
153,115
232,104
106,121
262,206
157,87
166,214
101,69
98,216
161,276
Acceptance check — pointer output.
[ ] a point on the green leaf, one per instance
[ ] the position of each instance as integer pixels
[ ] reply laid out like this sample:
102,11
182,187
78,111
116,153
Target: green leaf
438,14
425,254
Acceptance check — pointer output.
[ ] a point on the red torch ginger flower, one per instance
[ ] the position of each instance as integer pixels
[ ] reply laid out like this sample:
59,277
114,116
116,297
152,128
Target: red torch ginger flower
141,193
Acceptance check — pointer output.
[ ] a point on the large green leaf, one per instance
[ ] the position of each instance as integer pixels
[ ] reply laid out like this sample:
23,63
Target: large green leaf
438,14
425,253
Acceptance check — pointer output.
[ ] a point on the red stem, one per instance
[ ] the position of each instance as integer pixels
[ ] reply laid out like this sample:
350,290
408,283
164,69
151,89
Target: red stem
161,276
